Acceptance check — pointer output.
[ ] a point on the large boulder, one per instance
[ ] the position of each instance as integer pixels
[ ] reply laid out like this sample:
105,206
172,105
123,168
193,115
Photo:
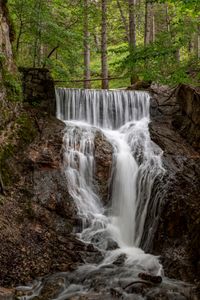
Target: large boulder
103,165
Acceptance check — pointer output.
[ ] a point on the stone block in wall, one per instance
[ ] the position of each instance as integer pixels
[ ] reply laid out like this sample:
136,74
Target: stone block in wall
38,88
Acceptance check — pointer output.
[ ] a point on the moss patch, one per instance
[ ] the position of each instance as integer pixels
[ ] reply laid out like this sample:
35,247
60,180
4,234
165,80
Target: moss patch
13,85
26,130
22,134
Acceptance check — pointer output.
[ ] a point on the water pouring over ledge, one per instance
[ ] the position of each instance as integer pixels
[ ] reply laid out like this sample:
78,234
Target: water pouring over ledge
117,230
123,117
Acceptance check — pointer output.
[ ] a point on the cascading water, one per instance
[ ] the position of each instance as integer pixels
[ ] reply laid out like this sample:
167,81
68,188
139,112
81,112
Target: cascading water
123,118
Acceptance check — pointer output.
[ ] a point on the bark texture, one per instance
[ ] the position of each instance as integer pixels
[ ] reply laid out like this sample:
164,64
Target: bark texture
87,83
104,62
149,23
6,35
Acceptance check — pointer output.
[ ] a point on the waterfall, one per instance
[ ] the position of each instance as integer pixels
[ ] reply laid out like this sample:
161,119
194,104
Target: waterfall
123,117
116,230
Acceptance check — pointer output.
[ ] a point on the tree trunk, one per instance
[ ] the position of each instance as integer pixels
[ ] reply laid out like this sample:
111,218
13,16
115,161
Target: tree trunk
97,41
132,33
19,37
104,63
5,39
132,25
153,27
149,35
198,41
87,84
124,21
178,55
167,18
37,42
18,40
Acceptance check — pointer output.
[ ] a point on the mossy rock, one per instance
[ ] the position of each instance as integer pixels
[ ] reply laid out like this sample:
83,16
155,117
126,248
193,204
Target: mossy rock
13,85
27,131
23,134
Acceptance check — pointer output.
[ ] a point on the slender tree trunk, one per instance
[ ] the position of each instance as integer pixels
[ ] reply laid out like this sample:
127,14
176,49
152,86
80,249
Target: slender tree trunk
104,62
132,33
37,34
198,41
124,21
153,27
177,52
39,50
190,46
147,26
87,83
19,37
97,41
178,55
149,35
132,25
167,18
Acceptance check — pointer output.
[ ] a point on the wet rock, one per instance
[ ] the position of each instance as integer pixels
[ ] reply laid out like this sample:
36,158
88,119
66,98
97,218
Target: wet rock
111,245
137,288
104,241
103,165
51,288
6,294
120,260
150,278
116,292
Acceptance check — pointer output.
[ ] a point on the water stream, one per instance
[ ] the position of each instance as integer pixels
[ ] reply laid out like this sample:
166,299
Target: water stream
123,118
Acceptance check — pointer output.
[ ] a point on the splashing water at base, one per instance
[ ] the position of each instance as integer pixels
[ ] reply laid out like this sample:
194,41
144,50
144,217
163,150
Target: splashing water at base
123,118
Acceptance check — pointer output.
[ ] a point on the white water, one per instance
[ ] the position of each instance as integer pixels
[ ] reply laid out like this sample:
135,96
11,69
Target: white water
123,117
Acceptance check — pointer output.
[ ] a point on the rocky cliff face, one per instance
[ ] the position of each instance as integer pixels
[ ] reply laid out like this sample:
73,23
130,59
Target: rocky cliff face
178,220
6,36
7,109
37,214
188,123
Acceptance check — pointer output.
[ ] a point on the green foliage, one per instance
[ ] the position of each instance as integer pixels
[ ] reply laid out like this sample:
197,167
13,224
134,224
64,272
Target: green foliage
12,83
2,59
45,26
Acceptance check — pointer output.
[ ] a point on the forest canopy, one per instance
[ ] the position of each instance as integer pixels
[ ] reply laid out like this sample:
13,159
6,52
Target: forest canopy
142,40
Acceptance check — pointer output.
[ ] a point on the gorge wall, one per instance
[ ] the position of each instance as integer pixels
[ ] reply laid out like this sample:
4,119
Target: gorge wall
175,128
188,123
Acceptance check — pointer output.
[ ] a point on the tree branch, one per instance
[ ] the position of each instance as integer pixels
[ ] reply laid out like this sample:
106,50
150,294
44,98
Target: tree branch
49,55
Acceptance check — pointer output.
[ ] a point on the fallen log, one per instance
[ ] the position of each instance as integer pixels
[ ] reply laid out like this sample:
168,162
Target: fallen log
138,281
2,189
151,278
